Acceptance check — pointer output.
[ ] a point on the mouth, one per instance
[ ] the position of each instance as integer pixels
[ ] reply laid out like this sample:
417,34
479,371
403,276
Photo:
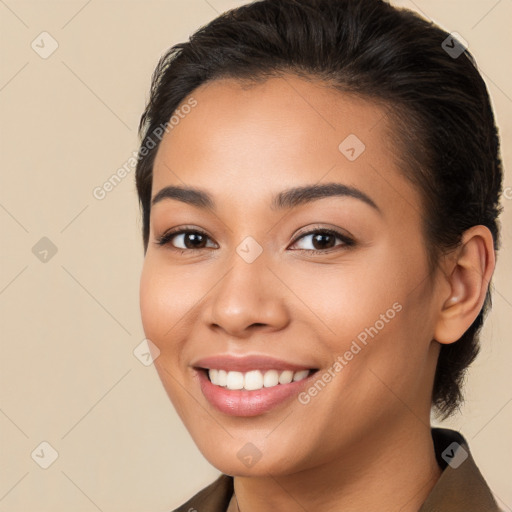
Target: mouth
253,392
254,380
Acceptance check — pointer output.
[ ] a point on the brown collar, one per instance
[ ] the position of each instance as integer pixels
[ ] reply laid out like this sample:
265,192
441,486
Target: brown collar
461,487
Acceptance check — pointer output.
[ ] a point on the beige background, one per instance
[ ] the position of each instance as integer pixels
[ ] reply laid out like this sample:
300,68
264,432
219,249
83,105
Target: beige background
70,324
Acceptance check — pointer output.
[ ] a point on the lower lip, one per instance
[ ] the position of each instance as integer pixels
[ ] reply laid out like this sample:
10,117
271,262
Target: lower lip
241,402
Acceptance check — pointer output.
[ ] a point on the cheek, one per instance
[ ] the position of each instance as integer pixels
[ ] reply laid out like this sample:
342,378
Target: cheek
163,309
377,300
163,302
389,320
171,303
149,298
345,299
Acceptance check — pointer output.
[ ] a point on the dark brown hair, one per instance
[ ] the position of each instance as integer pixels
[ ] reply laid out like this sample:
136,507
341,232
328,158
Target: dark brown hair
436,101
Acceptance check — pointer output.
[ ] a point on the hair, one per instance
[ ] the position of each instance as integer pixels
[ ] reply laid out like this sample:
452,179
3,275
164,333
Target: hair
437,107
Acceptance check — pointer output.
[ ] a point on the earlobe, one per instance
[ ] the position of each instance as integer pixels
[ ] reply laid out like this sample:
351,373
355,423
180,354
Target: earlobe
470,272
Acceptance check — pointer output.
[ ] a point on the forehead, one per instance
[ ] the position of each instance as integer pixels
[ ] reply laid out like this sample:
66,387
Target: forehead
241,139
277,112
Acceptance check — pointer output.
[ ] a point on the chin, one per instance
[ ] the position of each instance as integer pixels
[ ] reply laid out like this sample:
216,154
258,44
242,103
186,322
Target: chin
240,457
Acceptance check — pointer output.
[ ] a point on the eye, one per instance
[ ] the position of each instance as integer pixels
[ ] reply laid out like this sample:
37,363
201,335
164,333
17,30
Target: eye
323,240
186,238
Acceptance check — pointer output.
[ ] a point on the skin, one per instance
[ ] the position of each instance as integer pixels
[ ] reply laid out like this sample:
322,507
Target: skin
363,442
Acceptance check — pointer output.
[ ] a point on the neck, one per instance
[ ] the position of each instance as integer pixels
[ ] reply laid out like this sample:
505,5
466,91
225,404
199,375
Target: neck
387,472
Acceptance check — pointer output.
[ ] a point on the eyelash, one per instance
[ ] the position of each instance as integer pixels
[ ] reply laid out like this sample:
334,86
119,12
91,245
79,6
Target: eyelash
165,239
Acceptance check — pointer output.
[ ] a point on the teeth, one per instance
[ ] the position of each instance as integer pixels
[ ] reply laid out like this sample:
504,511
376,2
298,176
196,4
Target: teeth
235,380
286,377
300,375
222,377
254,379
271,378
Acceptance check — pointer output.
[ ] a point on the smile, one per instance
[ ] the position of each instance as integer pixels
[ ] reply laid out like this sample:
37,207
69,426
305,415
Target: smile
254,379
253,392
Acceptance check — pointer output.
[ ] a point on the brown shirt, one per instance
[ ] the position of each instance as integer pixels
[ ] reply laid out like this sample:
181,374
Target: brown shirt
461,487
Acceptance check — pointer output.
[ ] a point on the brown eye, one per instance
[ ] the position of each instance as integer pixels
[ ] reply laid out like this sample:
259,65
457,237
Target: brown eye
193,240
184,239
322,240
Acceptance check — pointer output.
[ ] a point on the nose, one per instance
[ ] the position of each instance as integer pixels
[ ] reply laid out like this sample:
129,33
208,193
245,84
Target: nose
248,296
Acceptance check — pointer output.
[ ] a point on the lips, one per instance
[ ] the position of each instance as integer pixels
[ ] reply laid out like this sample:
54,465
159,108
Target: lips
248,363
244,402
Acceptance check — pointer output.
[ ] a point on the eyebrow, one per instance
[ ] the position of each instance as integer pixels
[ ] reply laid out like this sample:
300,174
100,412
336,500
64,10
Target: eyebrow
286,199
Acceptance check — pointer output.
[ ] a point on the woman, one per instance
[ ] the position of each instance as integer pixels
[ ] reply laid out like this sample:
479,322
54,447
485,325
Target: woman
319,183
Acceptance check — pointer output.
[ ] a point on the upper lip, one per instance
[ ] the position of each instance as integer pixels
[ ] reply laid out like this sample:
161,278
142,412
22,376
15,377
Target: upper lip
246,363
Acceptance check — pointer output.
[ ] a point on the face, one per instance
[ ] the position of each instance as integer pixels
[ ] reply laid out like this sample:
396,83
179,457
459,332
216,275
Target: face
258,282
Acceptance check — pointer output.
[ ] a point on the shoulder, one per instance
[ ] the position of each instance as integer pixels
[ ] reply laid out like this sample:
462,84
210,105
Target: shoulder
461,487
213,498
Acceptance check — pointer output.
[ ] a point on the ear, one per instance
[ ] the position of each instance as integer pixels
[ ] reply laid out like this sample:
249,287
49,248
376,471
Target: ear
467,275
